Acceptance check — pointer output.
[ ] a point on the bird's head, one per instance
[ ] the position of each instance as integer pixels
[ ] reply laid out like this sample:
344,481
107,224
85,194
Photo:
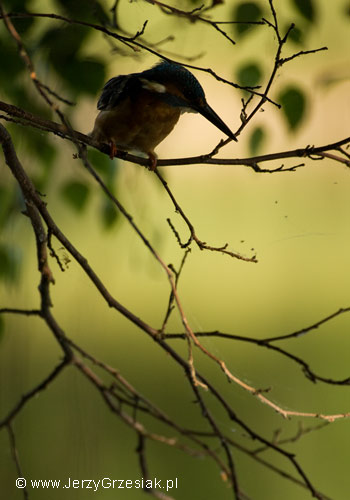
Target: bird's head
180,88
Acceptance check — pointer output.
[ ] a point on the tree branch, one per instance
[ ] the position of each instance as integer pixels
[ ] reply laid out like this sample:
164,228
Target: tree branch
28,119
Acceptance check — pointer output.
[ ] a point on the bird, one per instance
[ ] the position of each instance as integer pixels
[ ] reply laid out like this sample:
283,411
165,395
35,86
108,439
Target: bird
137,111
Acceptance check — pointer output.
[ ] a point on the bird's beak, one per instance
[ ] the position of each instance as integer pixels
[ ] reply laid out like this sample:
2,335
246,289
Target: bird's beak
210,115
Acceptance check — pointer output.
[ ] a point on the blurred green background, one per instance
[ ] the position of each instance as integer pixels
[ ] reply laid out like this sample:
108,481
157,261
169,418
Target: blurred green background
296,223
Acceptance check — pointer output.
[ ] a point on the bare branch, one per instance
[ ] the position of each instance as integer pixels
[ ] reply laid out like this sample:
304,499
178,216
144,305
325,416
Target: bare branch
307,329
267,343
300,53
127,403
28,119
25,312
28,396
15,457
171,298
131,42
193,236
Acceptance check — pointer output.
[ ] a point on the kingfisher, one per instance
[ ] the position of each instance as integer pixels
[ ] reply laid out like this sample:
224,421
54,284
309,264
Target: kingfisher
139,110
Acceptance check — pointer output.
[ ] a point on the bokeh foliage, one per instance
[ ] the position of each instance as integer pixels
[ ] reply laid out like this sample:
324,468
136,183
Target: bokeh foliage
59,53
62,59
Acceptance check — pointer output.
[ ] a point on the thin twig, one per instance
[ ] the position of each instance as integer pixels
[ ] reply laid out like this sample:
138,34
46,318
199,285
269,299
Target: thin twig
306,329
28,396
15,457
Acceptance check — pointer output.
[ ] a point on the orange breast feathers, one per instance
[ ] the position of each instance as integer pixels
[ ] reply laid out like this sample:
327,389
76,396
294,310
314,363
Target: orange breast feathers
139,122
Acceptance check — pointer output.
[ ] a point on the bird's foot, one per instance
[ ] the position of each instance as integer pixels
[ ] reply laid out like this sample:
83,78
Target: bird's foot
113,150
153,161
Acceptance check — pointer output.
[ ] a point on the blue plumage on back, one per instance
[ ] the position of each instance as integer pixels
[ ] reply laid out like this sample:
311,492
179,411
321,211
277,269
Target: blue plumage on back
114,91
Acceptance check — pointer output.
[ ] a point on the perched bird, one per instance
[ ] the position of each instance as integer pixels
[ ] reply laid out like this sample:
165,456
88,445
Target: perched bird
139,110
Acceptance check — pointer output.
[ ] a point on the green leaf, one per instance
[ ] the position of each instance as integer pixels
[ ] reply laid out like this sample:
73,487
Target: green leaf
249,75
24,98
21,25
306,9
109,214
295,35
81,9
10,260
62,45
40,145
293,103
256,140
41,148
84,75
11,65
347,10
75,194
2,326
105,166
6,195
246,12
11,204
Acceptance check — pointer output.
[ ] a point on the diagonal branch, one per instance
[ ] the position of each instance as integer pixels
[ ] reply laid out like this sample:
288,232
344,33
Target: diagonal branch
32,393
15,457
307,329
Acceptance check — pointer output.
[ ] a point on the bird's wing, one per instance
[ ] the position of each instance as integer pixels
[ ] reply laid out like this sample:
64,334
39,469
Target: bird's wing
114,91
